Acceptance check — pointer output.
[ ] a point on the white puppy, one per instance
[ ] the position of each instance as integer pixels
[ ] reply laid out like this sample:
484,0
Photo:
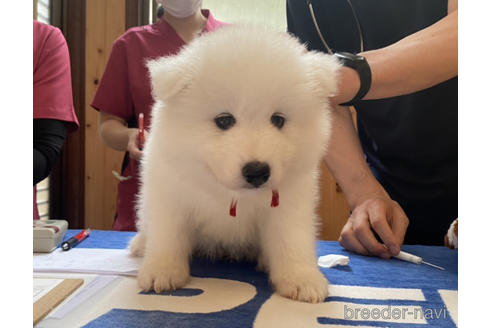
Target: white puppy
230,167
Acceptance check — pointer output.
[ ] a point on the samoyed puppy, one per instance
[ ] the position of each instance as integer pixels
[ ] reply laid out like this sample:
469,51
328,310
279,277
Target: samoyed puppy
240,123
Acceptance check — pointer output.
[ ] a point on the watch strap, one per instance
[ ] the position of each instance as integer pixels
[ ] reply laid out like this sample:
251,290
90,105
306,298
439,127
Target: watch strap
362,68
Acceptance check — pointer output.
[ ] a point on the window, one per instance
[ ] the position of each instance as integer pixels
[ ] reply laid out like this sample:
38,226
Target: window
43,11
271,13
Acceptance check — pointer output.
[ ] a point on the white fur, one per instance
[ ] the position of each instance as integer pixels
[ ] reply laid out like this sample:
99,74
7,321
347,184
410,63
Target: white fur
191,170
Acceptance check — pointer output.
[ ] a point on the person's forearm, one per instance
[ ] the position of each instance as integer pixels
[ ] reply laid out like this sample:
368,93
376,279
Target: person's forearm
346,161
40,167
113,132
417,62
48,139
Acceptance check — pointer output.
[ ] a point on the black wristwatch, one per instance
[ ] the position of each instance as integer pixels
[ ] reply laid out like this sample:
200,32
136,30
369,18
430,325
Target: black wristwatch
360,65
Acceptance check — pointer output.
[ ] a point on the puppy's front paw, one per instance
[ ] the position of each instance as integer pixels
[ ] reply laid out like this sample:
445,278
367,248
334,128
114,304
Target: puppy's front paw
159,276
306,285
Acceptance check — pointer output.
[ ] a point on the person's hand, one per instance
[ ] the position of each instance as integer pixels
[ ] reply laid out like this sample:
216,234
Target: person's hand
133,144
375,217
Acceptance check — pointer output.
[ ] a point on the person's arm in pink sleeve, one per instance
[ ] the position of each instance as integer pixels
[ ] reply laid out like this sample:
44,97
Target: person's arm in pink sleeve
52,81
115,134
53,113
115,105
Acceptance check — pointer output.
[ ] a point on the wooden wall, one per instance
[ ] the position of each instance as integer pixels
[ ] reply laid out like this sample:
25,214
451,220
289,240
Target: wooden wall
105,21
35,9
333,208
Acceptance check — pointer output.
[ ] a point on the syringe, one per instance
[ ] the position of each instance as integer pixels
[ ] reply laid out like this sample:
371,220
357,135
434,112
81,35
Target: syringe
404,256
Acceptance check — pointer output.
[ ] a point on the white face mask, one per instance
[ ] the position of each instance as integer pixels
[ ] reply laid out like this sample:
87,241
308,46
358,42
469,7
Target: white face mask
181,8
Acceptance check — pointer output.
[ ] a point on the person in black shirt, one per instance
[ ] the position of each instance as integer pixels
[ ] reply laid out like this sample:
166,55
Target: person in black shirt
400,174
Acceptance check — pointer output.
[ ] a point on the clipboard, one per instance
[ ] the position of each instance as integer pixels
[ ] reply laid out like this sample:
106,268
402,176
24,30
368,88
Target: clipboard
54,297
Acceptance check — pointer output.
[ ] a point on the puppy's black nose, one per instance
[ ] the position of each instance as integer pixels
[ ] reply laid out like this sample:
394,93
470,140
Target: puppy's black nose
256,173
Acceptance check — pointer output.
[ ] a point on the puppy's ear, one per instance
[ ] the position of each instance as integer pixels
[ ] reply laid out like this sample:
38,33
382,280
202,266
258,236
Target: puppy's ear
322,73
168,76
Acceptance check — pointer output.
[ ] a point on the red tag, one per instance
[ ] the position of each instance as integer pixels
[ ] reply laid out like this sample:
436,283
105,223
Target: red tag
275,198
232,209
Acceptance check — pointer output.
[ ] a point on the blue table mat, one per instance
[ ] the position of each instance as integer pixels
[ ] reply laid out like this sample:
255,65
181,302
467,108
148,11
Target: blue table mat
362,271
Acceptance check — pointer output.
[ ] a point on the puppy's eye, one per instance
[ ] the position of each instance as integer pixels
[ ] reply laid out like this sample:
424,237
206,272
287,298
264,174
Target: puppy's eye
277,120
224,121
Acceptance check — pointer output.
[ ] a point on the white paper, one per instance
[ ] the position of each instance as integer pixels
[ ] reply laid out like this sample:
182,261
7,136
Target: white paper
88,260
41,287
331,260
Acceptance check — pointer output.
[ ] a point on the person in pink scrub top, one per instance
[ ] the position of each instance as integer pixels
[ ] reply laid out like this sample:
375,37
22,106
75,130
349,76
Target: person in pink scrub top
53,112
125,91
